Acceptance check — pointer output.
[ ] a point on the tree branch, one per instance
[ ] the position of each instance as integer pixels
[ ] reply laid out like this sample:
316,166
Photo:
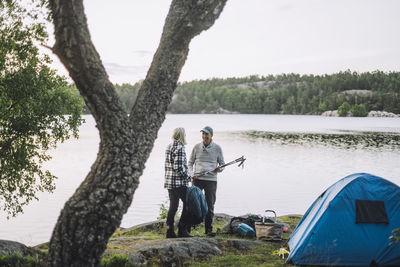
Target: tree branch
76,51
185,20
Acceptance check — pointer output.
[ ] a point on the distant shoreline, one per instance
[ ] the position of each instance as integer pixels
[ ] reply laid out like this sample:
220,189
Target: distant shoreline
372,113
345,139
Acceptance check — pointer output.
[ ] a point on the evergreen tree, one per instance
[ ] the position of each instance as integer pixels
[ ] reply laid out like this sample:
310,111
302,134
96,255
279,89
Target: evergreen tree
358,110
344,109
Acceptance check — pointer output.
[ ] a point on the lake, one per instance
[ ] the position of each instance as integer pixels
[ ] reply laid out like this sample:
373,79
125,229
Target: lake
280,176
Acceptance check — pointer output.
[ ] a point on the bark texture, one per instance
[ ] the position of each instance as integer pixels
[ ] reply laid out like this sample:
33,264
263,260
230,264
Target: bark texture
95,210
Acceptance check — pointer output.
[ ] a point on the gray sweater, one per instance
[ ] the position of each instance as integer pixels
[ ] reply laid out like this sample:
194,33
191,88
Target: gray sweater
206,158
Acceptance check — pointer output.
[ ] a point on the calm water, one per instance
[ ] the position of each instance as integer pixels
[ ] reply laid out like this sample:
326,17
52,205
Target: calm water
285,178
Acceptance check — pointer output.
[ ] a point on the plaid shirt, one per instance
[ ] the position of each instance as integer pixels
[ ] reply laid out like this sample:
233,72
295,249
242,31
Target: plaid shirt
176,169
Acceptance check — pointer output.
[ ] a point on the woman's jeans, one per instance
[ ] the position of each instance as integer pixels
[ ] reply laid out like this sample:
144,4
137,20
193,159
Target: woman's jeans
174,195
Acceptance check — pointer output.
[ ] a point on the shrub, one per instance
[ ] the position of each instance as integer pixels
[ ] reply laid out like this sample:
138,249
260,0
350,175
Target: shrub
17,260
163,211
164,207
344,109
359,110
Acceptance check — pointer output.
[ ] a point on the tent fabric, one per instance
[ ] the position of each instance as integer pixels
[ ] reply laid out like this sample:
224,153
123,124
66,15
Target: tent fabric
329,235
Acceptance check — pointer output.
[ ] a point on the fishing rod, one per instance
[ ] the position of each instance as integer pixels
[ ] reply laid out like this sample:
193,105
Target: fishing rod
241,160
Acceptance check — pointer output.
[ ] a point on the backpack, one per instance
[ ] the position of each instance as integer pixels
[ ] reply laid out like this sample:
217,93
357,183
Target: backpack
245,230
196,205
236,221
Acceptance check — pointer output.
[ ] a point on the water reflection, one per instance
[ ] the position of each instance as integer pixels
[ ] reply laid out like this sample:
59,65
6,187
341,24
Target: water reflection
284,172
345,140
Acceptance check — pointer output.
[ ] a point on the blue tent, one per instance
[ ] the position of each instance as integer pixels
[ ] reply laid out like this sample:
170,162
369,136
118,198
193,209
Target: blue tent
350,225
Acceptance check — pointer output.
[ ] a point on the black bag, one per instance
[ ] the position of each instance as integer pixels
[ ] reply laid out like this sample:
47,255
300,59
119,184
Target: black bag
235,221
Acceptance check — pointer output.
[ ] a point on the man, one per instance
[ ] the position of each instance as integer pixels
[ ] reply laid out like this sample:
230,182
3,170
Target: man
207,156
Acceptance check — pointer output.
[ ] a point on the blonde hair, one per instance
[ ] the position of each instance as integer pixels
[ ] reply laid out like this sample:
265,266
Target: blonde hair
179,135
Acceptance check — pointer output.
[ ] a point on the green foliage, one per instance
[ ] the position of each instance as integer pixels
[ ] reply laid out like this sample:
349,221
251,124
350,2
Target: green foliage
127,94
289,93
262,255
37,108
322,107
163,211
164,207
17,260
281,94
117,260
344,109
252,259
395,238
358,110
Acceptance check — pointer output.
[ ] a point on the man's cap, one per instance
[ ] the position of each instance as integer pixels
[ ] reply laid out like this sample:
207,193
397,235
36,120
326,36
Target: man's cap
207,129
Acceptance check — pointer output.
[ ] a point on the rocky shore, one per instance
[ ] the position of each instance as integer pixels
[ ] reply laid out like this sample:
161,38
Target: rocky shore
172,252
143,249
372,113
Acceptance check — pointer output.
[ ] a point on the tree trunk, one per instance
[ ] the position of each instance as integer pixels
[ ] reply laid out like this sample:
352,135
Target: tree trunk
95,210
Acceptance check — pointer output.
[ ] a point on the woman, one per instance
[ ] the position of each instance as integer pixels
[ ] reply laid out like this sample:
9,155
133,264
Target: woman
176,181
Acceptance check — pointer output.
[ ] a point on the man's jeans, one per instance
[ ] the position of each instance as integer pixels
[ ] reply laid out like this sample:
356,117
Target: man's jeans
210,191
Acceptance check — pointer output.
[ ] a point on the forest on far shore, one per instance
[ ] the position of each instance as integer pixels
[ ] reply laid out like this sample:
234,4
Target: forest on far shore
291,93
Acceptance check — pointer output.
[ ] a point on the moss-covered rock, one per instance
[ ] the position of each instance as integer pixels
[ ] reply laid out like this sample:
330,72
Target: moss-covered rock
146,245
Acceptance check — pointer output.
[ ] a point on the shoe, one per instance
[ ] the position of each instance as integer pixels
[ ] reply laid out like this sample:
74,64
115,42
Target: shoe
182,232
210,233
171,234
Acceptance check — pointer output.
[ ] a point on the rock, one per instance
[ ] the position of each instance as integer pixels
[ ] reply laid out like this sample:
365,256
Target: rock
225,111
8,247
172,252
223,217
159,224
359,92
149,226
374,113
330,113
218,111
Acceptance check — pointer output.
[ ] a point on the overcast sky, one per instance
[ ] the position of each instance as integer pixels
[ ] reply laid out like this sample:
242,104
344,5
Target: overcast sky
253,37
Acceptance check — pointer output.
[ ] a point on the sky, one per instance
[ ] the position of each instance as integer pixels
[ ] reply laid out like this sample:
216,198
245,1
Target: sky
252,37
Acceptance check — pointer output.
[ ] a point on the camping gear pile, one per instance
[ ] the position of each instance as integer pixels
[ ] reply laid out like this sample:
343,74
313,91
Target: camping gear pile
263,227
350,224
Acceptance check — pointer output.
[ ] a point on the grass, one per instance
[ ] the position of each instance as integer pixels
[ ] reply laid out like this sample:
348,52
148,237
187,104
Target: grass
257,256
17,260
117,260
262,255
160,233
